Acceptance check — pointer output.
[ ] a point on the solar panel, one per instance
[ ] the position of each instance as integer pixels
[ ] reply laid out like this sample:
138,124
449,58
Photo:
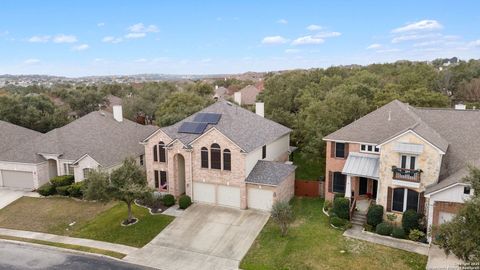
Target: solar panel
192,128
210,118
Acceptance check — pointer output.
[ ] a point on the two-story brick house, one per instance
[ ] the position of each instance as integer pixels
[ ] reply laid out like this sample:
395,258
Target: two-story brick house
405,158
223,155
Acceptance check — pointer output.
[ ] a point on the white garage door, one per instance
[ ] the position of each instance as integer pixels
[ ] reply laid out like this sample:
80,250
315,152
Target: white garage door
17,179
204,193
260,199
228,196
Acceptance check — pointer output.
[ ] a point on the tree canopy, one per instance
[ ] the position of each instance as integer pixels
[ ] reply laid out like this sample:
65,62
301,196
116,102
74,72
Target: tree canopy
178,106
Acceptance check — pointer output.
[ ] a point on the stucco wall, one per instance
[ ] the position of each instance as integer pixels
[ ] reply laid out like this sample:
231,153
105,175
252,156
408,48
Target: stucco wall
429,161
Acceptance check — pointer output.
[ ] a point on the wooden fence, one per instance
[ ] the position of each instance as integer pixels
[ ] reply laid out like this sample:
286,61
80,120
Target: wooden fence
309,188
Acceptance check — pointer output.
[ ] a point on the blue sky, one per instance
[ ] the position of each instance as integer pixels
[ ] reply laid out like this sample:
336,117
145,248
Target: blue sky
203,37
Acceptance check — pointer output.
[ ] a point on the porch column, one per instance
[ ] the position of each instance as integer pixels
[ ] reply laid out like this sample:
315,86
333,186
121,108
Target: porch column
378,189
348,187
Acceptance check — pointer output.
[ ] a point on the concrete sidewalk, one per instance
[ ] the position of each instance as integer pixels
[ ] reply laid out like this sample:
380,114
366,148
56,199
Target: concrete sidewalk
69,240
437,259
357,232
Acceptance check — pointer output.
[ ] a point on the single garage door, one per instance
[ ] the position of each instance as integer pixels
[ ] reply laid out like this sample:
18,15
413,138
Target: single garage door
204,193
228,196
17,179
260,199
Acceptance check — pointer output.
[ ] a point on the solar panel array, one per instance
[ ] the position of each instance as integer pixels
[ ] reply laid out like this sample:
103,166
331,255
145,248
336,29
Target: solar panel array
192,127
210,118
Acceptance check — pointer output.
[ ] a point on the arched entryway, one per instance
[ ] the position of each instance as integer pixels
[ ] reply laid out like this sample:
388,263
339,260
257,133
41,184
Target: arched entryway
180,173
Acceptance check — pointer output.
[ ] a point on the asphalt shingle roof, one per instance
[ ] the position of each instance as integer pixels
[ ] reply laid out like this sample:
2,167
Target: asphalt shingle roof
245,128
269,172
12,135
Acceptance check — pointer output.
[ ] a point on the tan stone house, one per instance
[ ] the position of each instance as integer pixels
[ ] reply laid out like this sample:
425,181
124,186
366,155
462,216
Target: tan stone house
222,155
404,157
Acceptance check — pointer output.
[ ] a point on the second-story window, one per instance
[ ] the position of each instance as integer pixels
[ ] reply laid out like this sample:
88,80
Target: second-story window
227,166
408,162
204,157
340,150
155,153
369,148
264,152
162,157
215,156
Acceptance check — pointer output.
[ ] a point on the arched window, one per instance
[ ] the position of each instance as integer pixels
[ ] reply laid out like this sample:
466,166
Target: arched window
227,164
161,152
155,153
215,156
204,157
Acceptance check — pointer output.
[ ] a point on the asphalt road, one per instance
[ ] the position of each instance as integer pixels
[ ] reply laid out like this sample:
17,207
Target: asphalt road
23,256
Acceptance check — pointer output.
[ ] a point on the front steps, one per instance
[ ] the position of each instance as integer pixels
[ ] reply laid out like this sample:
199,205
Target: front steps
359,218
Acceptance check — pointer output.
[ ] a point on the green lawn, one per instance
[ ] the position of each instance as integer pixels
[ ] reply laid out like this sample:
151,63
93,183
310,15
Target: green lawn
313,244
92,220
308,169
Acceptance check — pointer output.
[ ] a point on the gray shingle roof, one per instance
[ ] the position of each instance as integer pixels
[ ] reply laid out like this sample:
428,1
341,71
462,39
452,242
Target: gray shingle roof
249,94
269,172
12,135
245,128
455,132
96,134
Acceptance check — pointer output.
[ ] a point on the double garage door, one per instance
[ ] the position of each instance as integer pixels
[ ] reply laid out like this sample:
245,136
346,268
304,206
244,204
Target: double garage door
17,179
260,199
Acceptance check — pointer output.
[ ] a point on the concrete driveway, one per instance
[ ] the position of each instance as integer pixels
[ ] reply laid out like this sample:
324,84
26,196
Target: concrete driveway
7,196
204,237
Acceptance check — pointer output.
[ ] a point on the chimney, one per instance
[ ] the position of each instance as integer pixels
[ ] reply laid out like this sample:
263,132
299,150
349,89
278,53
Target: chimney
460,106
117,113
260,109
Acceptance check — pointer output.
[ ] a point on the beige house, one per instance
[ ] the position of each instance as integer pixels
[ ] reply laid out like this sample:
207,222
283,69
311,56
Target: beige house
222,155
98,140
404,158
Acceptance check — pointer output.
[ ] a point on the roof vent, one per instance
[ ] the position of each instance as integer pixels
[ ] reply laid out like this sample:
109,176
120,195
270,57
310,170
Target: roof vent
460,107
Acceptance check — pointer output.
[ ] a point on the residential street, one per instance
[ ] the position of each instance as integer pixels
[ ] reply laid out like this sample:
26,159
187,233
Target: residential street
24,256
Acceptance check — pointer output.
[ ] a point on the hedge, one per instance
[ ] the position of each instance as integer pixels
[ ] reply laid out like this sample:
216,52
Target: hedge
168,200
338,222
63,180
184,202
63,190
410,220
384,229
76,189
398,232
375,215
46,190
341,207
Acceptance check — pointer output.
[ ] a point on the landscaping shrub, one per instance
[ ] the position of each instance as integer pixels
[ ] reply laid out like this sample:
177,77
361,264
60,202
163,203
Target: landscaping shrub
338,222
375,215
46,190
341,207
338,195
63,190
76,189
384,229
63,180
410,220
368,227
398,232
184,201
282,214
327,205
168,200
416,235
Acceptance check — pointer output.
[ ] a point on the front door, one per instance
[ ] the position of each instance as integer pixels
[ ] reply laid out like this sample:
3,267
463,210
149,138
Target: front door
363,183
374,189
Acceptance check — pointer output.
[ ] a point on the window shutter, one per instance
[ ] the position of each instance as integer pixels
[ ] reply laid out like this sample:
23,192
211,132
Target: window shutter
389,199
332,149
421,202
330,181
345,153
155,155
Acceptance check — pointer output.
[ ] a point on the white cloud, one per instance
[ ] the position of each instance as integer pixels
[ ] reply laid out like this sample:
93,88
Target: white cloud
327,34
81,47
110,39
307,40
282,21
100,24
374,46
292,51
64,38
274,40
314,27
389,50
140,60
39,39
423,25
475,43
414,37
31,61
141,28
135,35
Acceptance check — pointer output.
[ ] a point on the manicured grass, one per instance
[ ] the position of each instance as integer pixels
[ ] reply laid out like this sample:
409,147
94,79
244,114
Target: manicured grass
308,169
107,226
312,244
67,246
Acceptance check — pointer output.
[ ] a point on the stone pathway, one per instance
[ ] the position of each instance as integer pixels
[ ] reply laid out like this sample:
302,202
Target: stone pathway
69,240
357,232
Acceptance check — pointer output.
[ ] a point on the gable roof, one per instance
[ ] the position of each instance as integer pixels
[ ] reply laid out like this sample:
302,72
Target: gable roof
455,132
243,127
96,134
249,94
269,172
12,135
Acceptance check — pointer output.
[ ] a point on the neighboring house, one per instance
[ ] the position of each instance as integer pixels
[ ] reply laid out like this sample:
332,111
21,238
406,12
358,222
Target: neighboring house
112,101
221,93
223,155
246,96
405,158
28,159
